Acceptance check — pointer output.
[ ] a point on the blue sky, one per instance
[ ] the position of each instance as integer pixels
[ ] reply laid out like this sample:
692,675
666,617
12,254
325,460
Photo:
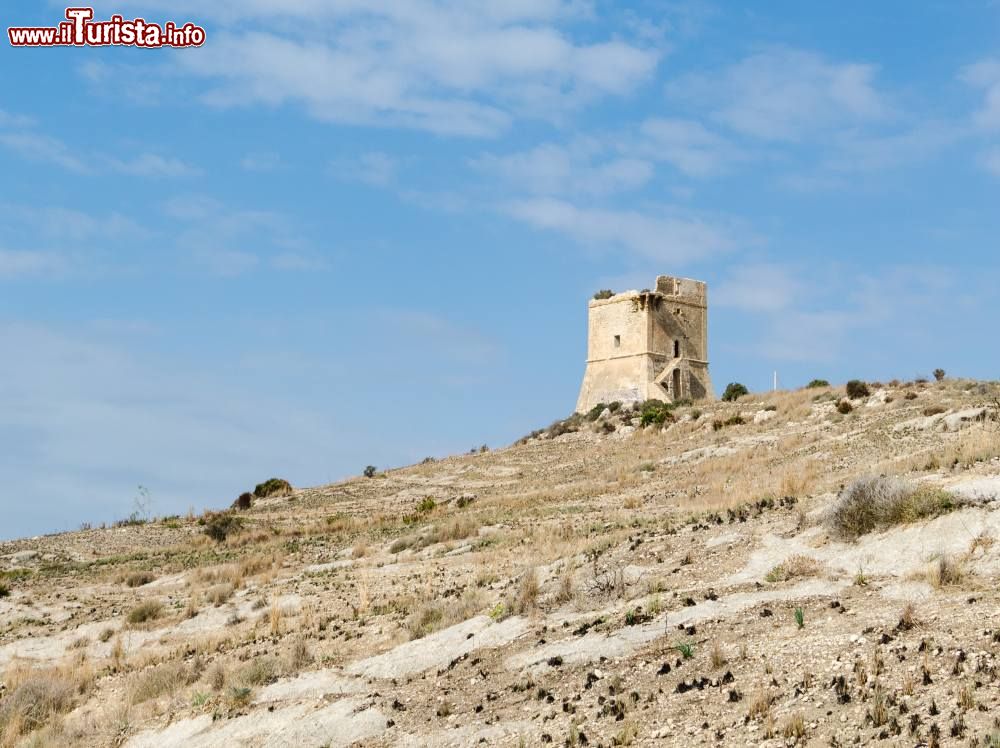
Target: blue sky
347,232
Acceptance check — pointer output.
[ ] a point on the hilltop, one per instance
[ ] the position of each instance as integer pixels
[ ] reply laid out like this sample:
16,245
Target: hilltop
688,575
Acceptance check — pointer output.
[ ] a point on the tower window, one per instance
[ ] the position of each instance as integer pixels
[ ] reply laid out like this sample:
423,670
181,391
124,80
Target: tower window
618,341
677,349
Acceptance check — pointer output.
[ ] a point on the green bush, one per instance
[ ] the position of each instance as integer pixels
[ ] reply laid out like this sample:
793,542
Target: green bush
604,293
734,391
818,383
426,504
370,471
272,487
594,412
939,374
655,412
856,388
222,525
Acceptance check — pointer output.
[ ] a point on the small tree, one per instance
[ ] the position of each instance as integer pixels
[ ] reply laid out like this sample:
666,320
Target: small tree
856,388
818,383
938,374
604,293
734,391
370,471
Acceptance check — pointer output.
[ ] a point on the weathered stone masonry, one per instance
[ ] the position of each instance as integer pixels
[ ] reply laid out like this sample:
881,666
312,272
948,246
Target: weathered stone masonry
648,344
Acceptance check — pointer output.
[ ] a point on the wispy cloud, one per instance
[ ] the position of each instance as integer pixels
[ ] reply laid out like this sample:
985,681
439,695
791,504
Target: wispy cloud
785,94
437,65
30,264
582,167
659,236
20,138
372,167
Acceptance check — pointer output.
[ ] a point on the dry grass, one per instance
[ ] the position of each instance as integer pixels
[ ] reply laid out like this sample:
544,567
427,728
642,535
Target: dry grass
219,593
160,680
148,610
945,571
792,568
526,599
33,697
139,578
877,503
435,615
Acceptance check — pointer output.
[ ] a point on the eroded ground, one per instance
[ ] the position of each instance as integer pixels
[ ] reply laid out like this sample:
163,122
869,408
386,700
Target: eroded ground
657,586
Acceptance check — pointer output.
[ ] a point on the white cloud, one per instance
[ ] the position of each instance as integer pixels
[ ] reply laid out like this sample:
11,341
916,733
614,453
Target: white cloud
662,238
786,94
990,160
154,165
21,264
439,66
582,167
374,168
687,145
985,75
762,287
38,147
263,161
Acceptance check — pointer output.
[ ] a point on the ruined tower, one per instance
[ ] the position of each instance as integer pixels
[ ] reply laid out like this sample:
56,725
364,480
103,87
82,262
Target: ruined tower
643,345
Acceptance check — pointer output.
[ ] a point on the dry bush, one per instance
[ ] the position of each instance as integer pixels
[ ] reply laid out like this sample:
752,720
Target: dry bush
435,615
873,503
792,568
274,618
219,593
794,727
526,599
33,697
148,610
428,619
760,705
717,656
139,578
257,672
945,571
297,656
159,680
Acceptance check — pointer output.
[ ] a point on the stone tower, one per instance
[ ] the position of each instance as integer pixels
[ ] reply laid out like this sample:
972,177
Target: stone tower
645,345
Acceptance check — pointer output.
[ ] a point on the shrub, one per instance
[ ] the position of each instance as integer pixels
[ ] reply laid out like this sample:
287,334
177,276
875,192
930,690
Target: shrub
4,590
425,621
220,526
426,505
34,702
933,410
874,503
844,407
856,388
939,374
162,679
272,487
594,412
148,610
800,617
139,578
370,471
818,383
244,501
654,412
792,567
604,293
734,391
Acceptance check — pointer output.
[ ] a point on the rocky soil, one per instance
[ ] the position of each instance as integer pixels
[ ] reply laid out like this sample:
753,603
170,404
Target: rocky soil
601,583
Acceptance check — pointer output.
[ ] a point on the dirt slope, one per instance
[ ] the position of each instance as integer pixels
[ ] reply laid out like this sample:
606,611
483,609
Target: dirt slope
612,585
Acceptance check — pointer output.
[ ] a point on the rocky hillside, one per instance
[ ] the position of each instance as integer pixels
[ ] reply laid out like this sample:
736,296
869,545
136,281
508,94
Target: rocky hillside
707,574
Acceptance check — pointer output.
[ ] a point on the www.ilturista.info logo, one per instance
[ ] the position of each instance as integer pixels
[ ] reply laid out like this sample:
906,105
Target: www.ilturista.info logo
80,30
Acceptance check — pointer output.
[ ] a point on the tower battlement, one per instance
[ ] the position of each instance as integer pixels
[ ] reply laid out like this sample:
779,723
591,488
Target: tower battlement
648,344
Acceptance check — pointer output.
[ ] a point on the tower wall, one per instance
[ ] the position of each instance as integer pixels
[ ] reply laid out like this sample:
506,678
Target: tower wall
651,344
